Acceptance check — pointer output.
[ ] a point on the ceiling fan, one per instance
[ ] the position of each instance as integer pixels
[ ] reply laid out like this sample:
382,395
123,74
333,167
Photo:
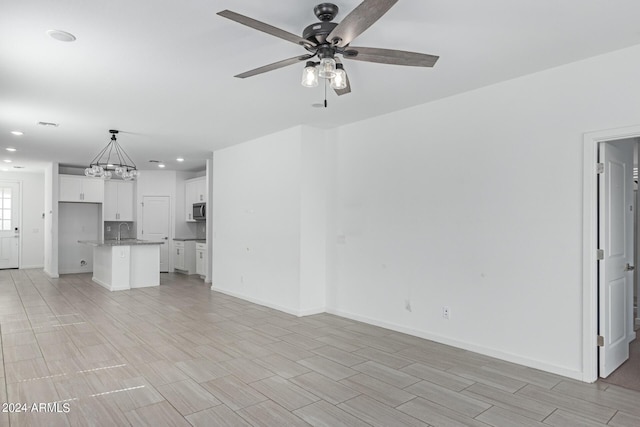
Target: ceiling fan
326,40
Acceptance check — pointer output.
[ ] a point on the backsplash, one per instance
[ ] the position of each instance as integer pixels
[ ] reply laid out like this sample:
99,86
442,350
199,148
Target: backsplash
111,230
201,230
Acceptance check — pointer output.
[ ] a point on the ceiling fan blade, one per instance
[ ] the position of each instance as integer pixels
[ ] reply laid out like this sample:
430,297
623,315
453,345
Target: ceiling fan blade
360,18
266,28
390,56
274,66
347,89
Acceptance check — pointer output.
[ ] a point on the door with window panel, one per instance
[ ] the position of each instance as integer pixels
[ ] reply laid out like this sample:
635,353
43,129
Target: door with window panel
9,224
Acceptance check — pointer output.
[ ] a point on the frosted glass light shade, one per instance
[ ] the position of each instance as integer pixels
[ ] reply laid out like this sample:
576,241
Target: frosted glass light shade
310,76
339,81
327,68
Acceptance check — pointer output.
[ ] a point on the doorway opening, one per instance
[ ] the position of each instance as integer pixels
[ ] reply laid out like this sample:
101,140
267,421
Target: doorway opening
10,215
609,279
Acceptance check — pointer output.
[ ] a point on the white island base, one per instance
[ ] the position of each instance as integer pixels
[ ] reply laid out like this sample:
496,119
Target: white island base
121,267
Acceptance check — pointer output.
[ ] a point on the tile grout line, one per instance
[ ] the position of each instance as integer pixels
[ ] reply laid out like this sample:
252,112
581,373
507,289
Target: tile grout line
4,371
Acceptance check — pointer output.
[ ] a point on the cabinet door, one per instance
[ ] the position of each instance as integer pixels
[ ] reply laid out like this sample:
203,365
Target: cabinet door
92,190
204,263
179,263
110,201
70,189
201,190
190,198
125,201
199,262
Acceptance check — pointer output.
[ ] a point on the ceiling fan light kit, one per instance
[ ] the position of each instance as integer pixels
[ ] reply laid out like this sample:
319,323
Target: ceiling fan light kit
310,75
103,166
326,40
339,80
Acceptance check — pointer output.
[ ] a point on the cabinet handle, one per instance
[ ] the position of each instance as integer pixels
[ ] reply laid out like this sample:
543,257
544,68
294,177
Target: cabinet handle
178,250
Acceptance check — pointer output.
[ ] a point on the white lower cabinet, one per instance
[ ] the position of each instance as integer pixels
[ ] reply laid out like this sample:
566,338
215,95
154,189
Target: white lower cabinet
201,259
184,255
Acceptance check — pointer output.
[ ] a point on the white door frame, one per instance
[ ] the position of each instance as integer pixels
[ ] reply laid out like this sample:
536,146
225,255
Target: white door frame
20,197
590,242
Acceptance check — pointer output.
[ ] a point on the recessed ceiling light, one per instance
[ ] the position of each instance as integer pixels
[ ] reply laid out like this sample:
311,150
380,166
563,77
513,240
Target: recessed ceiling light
160,165
61,36
4,170
17,133
8,160
10,149
179,159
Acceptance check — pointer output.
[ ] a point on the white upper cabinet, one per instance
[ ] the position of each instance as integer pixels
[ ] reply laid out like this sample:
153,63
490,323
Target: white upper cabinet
81,189
118,201
195,191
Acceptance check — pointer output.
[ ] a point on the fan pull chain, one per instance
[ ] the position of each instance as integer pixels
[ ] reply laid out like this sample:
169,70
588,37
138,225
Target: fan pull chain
325,93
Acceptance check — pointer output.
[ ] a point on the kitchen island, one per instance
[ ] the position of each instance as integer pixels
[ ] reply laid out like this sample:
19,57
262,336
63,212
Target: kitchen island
125,264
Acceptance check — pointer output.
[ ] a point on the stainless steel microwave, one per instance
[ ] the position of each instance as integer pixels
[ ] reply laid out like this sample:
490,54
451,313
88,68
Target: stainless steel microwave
200,211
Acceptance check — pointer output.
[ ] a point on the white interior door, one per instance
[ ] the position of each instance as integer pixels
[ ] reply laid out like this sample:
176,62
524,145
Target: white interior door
156,225
615,238
9,224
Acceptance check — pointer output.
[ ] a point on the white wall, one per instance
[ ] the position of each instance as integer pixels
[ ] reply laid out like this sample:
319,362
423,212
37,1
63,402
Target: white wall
315,161
77,221
32,221
51,220
474,202
256,213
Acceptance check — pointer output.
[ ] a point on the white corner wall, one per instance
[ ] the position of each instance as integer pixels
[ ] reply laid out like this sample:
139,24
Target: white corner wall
256,215
316,158
51,220
475,202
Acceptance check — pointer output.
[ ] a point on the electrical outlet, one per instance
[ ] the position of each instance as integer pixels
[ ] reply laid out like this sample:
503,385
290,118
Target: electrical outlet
446,312
108,228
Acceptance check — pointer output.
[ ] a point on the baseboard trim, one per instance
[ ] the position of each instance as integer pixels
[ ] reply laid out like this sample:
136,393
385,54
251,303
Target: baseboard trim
107,287
51,276
487,351
297,313
74,271
27,267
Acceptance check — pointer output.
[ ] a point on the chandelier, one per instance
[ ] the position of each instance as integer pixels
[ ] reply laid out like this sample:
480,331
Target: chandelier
112,159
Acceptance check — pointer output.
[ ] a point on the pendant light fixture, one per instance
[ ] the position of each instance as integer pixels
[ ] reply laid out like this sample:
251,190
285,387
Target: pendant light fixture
112,159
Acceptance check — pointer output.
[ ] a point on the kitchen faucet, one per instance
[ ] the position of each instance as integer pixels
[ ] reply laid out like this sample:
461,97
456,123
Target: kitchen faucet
120,229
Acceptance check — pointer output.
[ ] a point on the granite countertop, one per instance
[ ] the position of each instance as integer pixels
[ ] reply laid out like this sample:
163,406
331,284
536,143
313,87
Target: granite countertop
184,239
121,242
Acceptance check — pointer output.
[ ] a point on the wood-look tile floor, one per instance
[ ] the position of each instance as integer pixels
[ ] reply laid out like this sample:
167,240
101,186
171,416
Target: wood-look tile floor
181,355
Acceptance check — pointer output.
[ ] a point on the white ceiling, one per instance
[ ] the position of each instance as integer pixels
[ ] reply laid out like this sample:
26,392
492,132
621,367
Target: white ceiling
163,70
